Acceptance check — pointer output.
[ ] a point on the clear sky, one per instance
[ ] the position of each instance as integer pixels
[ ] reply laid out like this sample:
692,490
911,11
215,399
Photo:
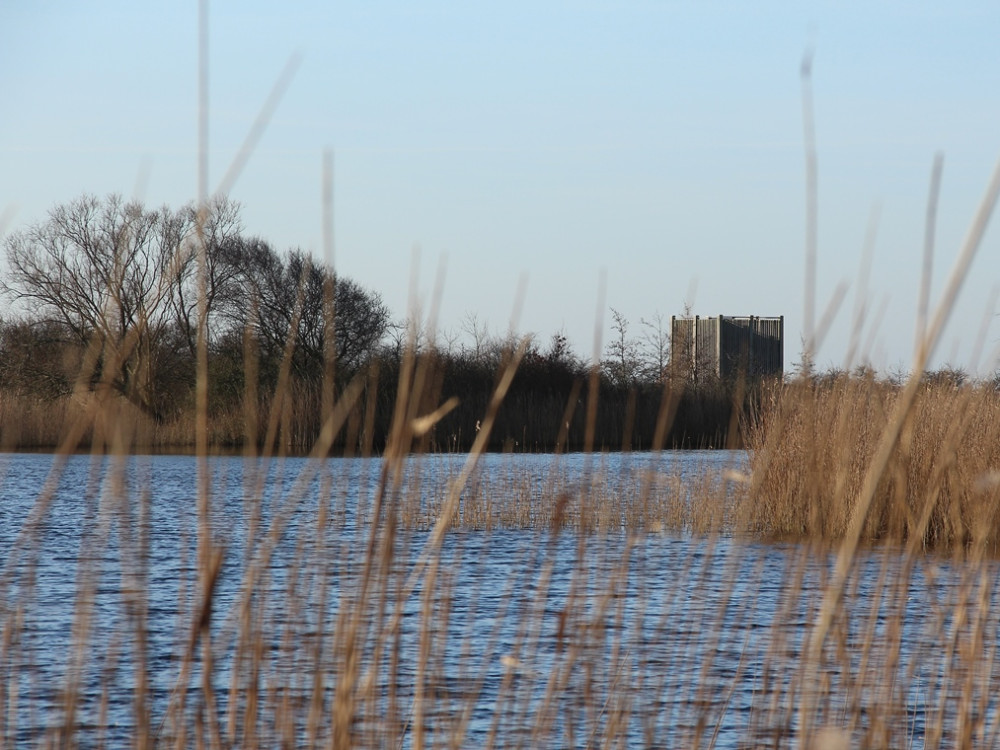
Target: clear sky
657,143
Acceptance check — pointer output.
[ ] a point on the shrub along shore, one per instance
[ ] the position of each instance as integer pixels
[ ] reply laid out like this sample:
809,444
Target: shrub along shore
543,412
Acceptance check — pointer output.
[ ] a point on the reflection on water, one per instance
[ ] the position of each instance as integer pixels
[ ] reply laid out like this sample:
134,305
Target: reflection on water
511,635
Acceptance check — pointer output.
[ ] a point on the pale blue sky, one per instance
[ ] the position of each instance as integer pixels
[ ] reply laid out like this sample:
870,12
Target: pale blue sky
658,141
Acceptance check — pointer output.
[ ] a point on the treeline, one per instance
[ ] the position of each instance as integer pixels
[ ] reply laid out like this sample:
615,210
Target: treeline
115,301
558,402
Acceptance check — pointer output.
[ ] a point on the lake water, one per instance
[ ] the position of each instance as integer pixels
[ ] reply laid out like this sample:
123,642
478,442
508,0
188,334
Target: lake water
512,632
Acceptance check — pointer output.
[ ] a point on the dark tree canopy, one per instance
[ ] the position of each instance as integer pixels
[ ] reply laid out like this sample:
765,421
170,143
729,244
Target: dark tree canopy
293,298
104,271
123,280
97,266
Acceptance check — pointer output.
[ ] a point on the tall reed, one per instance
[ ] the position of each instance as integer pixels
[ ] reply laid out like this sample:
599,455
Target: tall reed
811,452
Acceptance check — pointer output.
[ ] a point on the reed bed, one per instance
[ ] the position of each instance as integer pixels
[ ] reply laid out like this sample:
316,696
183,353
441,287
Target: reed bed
940,486
579,493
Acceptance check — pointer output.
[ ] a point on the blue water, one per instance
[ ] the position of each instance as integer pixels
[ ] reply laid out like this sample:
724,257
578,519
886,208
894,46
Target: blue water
537,637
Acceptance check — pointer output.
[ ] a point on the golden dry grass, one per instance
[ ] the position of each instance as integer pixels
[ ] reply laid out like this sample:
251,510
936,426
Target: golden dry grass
811,453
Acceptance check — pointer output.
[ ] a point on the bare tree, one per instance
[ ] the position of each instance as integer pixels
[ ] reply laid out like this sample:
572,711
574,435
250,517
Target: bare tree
281,297
361,319
102,269
450,339
221,231
655,347
622,363
478,333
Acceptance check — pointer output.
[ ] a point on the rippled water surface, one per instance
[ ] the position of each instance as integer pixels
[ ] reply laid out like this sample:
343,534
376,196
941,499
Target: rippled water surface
512,633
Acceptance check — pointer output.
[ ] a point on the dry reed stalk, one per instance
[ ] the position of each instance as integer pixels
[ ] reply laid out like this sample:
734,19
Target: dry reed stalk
889,438
937,489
